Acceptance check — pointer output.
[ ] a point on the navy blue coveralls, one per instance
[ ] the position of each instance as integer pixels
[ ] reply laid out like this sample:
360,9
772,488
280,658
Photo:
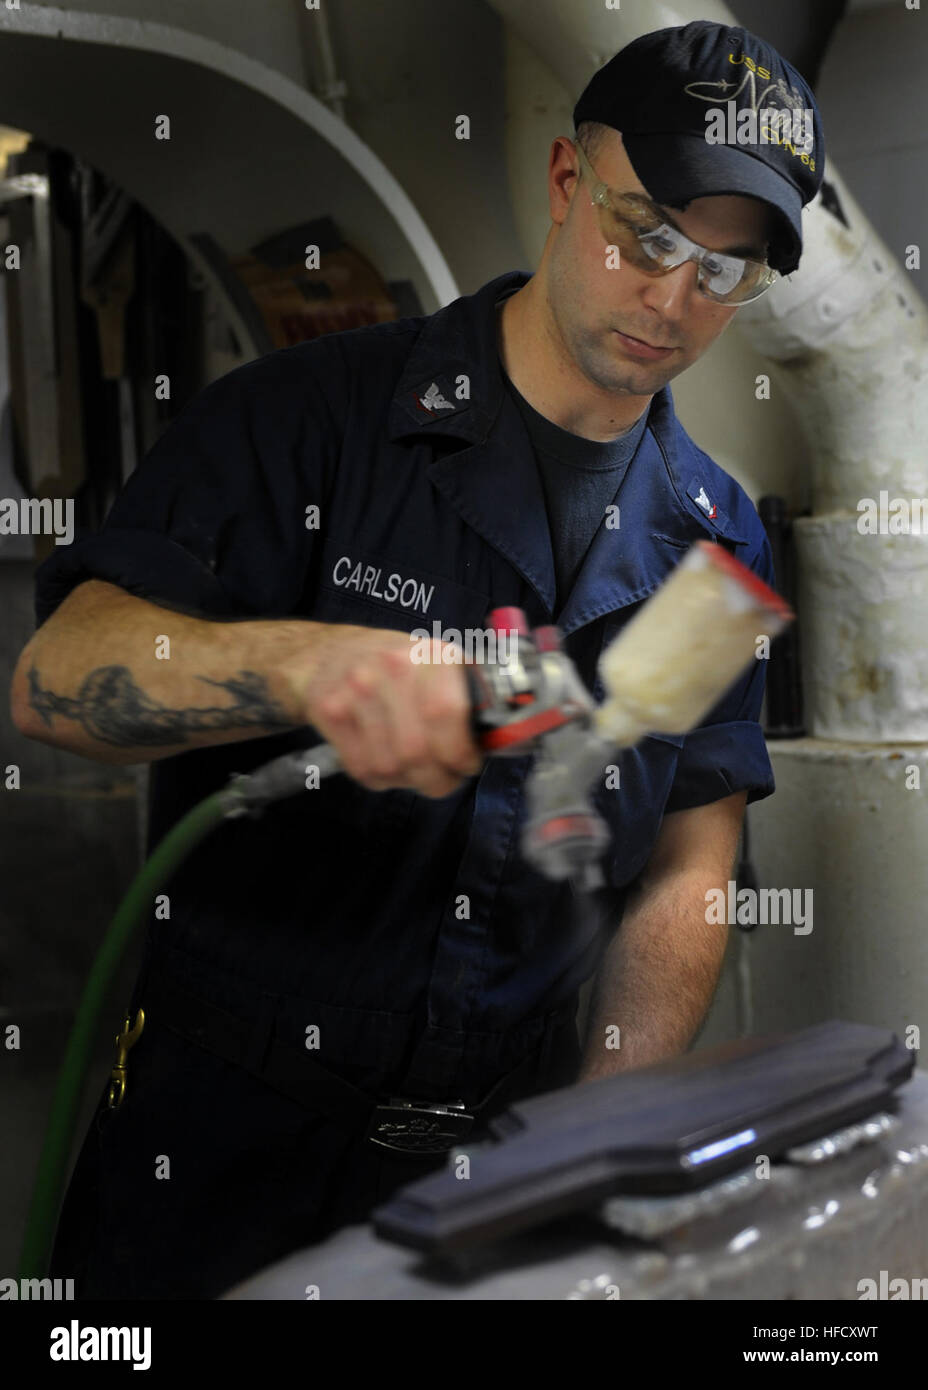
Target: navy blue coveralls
341,909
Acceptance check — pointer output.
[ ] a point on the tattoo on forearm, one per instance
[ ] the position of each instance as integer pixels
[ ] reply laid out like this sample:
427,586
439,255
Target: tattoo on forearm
111,707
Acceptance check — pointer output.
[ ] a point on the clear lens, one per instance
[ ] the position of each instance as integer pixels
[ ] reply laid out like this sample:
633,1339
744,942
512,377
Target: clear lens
664,246
724,274
754,279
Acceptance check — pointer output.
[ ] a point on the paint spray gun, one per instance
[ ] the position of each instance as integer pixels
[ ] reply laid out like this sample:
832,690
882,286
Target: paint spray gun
662,674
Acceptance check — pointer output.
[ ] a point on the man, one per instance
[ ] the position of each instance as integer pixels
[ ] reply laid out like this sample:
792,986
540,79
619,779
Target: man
382,937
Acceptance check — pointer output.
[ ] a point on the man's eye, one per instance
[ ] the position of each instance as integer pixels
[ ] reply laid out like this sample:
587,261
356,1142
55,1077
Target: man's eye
723,276
632,224
661,238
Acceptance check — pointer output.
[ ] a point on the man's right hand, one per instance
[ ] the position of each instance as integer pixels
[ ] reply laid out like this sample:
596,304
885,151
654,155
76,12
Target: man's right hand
394,722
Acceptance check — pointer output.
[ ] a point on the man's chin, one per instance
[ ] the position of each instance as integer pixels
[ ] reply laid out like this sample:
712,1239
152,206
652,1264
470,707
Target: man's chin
641,378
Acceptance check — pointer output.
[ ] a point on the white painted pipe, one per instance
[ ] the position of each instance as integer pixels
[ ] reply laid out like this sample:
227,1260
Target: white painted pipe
863,604
850,335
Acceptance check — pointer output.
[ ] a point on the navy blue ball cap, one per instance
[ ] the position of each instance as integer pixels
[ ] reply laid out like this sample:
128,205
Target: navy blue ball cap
707,109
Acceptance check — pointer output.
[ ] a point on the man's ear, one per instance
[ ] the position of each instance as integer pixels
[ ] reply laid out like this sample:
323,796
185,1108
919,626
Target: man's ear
558,202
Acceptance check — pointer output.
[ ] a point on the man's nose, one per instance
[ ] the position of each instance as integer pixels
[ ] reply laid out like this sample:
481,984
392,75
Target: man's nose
670,294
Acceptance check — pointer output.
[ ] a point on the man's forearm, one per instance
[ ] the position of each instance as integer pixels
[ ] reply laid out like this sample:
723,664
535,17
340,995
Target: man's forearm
657,978
122,680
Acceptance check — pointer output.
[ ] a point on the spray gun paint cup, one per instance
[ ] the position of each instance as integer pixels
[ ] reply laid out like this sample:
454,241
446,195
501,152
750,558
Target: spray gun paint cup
691,640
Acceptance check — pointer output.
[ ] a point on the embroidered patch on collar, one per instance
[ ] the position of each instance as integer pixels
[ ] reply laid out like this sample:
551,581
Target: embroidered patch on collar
435,399
697,492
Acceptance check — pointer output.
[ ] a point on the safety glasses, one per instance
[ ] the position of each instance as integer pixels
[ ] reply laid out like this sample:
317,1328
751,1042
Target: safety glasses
655,246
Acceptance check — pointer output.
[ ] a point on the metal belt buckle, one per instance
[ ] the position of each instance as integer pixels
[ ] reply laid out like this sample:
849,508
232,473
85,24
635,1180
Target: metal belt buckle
417,1126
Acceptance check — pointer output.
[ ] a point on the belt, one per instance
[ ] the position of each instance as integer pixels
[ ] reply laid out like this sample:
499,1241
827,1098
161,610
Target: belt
401,1124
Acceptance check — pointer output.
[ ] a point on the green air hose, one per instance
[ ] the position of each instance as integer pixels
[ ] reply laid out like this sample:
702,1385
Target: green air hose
281,777
173,849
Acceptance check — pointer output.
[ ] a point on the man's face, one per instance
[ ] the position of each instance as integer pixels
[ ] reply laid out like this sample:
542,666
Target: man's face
593,305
